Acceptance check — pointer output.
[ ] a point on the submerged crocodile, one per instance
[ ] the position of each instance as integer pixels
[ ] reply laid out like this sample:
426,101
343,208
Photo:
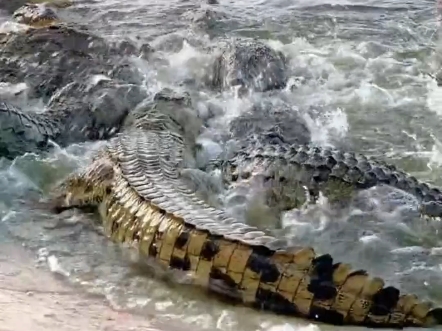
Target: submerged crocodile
267,117
12,6
289,170
79,112
67,52
88,84
35,15
135,185
250,64
94,110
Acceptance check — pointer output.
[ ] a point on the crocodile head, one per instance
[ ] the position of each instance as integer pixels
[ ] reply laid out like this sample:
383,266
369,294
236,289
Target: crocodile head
250,64
282,121
178,106
171,111
35,15
84,189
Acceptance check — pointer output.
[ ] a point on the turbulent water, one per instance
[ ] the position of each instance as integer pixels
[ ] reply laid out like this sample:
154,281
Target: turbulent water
360,81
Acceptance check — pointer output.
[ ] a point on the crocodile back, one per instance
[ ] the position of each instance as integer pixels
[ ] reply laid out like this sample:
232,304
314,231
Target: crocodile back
22,131
237,260
317,167
143,203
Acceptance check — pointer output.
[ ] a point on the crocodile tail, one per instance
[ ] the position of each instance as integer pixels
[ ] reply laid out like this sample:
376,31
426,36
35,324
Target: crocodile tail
146,204
297,281
22,132
238,260
337,294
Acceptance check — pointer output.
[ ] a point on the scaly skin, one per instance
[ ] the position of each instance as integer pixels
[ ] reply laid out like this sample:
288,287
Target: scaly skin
77,113
87,84
336,173
87,112
271,117
250,64
22,132
69,118
67,53
12,6
35,15
26,132
135,185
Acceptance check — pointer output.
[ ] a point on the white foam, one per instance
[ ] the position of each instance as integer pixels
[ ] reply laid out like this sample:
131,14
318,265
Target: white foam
291,327
55,266
434,98
9,26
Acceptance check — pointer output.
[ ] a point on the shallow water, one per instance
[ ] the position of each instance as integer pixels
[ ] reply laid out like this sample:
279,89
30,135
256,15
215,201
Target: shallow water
359,74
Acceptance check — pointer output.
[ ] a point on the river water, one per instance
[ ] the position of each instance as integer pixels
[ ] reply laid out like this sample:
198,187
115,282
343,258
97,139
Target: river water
360,79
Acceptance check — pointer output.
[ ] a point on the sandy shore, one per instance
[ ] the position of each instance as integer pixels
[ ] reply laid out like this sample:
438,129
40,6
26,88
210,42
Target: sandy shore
33,299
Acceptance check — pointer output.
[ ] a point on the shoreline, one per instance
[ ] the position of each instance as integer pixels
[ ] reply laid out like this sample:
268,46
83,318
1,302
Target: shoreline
34,299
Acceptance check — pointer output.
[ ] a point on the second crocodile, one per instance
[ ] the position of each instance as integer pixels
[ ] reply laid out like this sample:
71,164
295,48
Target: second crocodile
289,170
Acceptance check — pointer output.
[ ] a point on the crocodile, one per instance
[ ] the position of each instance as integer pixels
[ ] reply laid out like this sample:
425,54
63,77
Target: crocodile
35,15
250,64
90,102
89,111
67,53
12,6
134,185
78,112
266,117
290,171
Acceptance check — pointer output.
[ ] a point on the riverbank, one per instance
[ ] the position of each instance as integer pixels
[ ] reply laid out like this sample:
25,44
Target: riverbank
34,299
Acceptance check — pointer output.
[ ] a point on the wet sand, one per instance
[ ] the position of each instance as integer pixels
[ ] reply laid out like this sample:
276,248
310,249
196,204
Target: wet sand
34,299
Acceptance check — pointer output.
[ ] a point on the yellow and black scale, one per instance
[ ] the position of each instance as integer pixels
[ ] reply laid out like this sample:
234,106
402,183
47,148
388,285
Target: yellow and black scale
135,185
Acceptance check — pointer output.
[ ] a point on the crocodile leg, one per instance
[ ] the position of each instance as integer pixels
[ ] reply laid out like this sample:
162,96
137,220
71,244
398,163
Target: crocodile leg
143,203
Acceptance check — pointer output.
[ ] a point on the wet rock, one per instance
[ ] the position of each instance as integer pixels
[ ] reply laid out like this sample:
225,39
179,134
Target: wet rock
126,47
271,121
98,106
65,54
251,64
146,50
